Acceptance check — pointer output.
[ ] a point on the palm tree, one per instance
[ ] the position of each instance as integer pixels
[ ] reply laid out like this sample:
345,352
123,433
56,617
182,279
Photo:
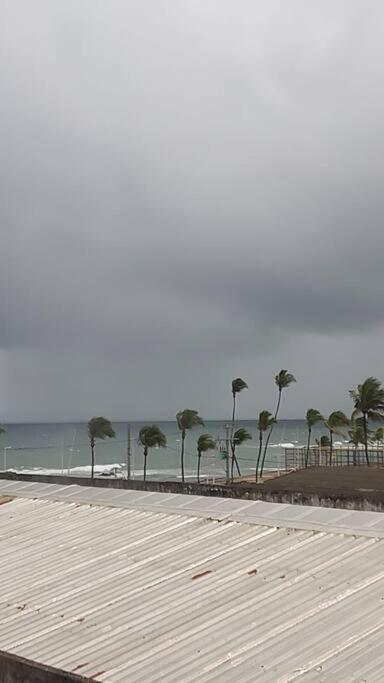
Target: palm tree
368,399
336,420
282,380
240,436
98,428
205,443
356,436
312,417
186,419
238,385
265,422
149,437
378,436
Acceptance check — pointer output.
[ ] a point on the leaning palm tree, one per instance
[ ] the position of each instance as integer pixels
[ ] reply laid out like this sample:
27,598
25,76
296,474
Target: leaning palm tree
98,428
240,436
186,420
238,385
205,443
265,422
368,399
282,380
312,417
335,421
151,436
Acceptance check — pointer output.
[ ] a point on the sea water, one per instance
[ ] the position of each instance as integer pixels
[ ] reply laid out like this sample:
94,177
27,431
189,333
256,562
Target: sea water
64,448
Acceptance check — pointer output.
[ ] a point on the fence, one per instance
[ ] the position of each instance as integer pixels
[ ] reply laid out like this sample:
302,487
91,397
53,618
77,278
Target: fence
295,458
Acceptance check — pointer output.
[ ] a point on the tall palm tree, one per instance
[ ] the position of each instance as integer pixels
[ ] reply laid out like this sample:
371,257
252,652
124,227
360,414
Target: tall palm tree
98,428
265,422
335,421
240,436
149,437
205,443
238,385
283,380
368,399
312,417
186,420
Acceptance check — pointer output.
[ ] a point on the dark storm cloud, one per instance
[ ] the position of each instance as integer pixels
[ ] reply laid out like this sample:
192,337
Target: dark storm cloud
189,191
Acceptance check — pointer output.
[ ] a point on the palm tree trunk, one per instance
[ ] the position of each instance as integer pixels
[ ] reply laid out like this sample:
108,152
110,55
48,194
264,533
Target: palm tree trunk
259,454
92,458
198,467
308,445
270,434
365,438
145,463
182,455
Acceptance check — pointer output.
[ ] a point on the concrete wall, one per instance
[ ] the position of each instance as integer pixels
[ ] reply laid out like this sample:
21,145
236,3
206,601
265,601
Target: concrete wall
15,669
353,500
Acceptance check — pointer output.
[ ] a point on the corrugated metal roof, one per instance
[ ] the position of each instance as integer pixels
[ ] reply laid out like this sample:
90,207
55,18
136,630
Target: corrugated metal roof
128,594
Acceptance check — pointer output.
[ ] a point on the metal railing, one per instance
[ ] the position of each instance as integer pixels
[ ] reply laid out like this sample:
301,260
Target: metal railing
295,458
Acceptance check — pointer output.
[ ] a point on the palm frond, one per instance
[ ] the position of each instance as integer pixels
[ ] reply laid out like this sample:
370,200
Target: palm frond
240,436
205,442
151,436
283,379
187,419
313,416
265,421
100,428
238,385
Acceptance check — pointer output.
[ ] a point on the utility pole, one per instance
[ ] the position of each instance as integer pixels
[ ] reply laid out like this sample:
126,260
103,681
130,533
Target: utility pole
129,453
227,469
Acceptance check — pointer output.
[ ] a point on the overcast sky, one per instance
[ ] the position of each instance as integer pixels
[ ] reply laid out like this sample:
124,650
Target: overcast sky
191,190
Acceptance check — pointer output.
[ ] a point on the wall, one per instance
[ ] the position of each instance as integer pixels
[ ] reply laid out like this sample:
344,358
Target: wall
15,669
353,500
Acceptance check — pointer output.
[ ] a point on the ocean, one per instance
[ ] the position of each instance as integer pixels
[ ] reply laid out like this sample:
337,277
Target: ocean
64,448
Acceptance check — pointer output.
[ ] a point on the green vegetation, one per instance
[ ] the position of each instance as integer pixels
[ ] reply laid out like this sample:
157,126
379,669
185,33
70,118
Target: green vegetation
335,421
151,436
283,380
368,399
239,437
98,428
312,417
265,422
238,385
186,420
205,443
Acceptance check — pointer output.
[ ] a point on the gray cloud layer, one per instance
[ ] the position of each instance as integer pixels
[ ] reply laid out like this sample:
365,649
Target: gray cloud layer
190,191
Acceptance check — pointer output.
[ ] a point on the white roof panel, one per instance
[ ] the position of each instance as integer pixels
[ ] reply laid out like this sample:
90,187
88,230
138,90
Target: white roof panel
123,593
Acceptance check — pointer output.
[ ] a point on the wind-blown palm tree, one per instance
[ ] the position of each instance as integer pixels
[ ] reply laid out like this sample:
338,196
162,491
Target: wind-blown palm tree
98,428
265,422
186,420
378,436
238,385
149,437
282,380
240,436
335,421
312,417
205,443
368,399
356,436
